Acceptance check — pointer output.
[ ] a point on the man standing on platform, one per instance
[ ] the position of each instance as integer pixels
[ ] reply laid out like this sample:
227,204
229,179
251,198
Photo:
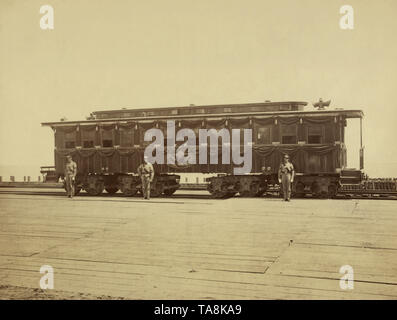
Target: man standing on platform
70,176
146,172
286,174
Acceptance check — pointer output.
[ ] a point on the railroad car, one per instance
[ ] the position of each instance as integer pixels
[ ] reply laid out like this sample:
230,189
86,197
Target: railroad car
108,147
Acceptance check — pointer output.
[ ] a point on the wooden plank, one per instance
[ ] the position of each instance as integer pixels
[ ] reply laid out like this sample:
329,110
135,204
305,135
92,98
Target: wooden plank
223,249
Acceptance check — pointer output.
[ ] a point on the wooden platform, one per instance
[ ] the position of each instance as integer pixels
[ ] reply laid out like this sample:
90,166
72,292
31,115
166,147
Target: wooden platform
179,248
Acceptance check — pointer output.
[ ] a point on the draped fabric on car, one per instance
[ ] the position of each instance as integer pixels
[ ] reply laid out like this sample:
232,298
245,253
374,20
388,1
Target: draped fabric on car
318,120
287,121
216,123
126,156
240,122
301,156
88,128
220,123
191,124
101,151
107,127
86,153
65,152
264,121
290,150
101,159
67,129
147,125
128,125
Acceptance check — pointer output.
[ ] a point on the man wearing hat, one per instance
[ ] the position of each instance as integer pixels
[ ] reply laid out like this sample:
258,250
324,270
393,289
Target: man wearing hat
146,172
70,176
286,175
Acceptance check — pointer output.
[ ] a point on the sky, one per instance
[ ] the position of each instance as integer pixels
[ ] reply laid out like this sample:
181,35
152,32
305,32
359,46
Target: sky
107,54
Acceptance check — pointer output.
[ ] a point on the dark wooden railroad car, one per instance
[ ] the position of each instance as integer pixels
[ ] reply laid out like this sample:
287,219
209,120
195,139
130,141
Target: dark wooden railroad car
108,147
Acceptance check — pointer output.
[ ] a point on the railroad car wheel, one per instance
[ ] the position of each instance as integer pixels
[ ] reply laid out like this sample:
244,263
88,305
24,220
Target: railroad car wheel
157,190
111,190
299,190
169,192
224,192
262,191
221,192
244,190
217,191
95,190
154,193
128,191
218,194
215,195
315,189
237,186
94,186
254,190
332,190
210,188
77,191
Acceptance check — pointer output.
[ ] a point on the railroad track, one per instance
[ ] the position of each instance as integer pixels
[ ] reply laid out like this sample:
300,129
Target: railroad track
200,194
369,194
61,193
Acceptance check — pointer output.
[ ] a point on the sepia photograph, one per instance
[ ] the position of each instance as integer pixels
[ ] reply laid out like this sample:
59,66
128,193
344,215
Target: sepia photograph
201,151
